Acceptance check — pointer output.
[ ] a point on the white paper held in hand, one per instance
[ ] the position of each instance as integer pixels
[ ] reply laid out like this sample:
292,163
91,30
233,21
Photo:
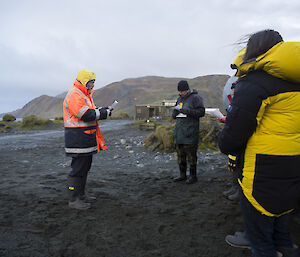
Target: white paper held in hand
214,112
181,115
114,104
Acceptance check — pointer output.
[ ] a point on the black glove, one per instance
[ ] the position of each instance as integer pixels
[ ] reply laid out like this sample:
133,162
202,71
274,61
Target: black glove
104,113
109,110
231,162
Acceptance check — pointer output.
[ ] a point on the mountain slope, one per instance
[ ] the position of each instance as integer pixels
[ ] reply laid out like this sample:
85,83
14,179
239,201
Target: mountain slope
147,90
129,92
43,106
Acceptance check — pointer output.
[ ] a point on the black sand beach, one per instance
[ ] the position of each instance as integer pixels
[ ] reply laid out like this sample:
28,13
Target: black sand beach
140,211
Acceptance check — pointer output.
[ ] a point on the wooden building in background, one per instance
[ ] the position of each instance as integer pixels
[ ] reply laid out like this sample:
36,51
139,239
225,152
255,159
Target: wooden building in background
155,111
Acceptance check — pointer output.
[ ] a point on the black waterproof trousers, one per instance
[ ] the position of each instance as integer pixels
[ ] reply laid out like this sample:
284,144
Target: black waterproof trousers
78,176
81,166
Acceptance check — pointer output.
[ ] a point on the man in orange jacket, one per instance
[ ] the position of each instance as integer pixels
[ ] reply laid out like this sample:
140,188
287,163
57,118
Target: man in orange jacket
82,136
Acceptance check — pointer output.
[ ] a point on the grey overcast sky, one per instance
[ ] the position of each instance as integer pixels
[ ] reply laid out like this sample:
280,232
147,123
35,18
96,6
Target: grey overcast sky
45,43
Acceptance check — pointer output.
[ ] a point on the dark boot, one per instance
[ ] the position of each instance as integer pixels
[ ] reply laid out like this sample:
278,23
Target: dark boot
83,196
235,196
289,252
74,187
79,205
193,175
230,191
234,185
88,198
182,176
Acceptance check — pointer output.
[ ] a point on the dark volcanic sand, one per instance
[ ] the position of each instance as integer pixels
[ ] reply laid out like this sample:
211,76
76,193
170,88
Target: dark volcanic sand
140,211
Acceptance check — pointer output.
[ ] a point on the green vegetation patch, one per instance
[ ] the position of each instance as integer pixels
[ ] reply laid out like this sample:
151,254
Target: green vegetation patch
8,118
33,122
210,129
162,136
8,123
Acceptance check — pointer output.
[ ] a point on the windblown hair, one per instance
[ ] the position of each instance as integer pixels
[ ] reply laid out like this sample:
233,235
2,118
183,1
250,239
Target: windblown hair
260,42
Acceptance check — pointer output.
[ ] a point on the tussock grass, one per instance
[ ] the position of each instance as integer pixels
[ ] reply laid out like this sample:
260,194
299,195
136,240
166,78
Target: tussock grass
33,122
210,129
162,136
8,118
8,123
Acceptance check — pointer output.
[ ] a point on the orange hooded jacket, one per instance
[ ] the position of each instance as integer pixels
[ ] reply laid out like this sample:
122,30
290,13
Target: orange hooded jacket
82,137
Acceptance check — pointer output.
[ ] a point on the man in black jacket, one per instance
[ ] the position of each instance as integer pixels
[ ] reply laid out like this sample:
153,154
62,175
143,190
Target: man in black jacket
189,108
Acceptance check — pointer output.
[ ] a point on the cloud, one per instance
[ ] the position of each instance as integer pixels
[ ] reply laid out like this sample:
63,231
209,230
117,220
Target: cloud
45,43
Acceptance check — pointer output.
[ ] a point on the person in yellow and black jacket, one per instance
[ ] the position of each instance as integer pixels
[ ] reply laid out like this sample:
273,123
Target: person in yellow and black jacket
263,129
82,136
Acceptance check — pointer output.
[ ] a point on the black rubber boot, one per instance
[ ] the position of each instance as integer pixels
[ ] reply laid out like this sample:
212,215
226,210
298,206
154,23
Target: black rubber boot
88,198
74,187
83,196
193,175
83,183
182,176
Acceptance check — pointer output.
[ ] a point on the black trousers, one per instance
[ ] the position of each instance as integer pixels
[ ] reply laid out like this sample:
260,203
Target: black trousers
265,234
80,166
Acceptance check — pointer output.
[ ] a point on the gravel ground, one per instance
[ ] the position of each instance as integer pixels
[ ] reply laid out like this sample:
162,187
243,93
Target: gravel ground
140,211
